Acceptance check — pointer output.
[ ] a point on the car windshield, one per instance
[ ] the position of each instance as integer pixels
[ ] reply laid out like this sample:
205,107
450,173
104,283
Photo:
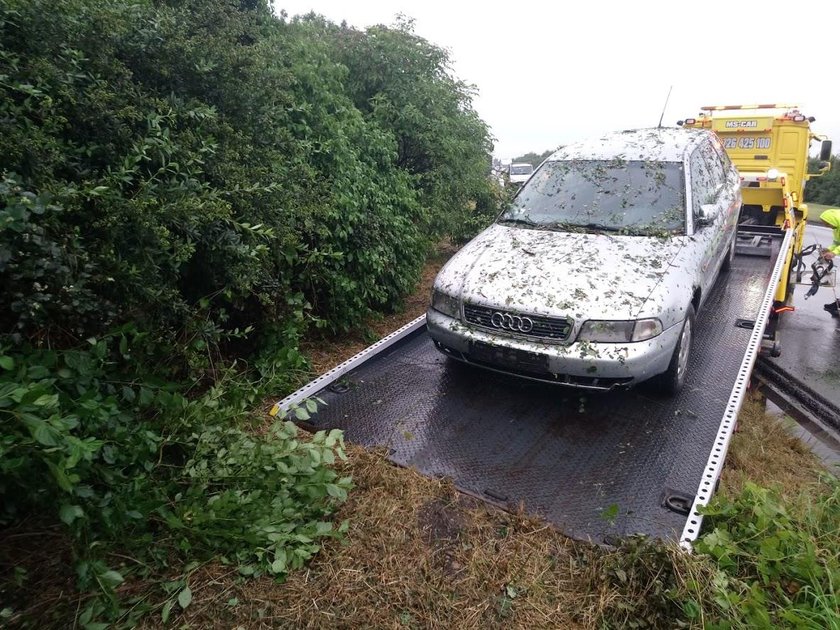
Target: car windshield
526,169
632,197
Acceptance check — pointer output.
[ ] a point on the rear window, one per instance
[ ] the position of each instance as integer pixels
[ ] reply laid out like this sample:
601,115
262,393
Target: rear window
635,197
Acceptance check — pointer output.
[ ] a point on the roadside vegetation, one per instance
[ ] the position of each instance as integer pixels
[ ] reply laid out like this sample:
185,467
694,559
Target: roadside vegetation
202,204
532,158
825,189
419,554
189,189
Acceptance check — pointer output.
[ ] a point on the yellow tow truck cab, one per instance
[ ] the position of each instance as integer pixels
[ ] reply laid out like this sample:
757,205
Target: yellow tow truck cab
769,145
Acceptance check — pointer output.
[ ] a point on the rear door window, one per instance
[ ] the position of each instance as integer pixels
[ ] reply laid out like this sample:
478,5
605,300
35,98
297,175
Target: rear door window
705,183
714,163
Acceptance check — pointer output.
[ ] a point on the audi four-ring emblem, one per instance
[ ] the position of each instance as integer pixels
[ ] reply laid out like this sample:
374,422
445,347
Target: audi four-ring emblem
510,322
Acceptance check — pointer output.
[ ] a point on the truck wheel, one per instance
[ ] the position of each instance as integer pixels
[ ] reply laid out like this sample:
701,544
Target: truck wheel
730,256
672,380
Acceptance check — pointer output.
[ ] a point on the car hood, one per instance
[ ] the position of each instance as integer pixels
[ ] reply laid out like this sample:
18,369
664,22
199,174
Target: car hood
560,274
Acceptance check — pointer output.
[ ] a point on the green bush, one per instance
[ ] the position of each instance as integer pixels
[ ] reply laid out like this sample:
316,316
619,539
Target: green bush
763,561
128,462
406,85
779,560
197,166
187,188
824,189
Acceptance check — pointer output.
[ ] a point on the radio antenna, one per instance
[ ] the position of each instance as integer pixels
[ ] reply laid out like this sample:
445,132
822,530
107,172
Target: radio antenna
659,126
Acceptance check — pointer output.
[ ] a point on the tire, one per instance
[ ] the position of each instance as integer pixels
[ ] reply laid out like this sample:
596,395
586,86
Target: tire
730,257
672,380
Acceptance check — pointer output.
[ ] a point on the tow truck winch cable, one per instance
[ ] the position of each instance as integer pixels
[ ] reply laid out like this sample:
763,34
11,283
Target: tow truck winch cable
820,270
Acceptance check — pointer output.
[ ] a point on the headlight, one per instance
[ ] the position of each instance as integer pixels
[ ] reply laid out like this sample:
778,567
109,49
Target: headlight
647,329
621,331
446,304
607,331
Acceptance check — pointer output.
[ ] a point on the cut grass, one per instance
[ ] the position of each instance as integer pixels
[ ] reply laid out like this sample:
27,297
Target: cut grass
420,554
765,452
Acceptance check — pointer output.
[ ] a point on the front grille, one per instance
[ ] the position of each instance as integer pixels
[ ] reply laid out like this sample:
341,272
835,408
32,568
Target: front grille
557,329
509,358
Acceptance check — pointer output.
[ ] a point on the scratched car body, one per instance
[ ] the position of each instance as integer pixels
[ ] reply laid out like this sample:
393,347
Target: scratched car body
594,275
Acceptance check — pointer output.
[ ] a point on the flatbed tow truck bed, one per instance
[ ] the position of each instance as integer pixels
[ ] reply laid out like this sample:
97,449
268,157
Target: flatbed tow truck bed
597,465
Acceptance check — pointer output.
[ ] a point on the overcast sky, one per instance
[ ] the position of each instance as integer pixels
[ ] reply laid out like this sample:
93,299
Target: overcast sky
549,73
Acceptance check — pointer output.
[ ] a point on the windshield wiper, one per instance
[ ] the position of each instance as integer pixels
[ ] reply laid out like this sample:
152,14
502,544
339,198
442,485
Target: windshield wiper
602,228
527,222
595,227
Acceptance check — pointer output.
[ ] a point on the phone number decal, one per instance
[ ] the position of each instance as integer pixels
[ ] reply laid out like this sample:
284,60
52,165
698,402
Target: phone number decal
747,143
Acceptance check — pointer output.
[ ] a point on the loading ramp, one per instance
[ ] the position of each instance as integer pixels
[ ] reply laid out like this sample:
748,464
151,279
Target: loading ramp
597,465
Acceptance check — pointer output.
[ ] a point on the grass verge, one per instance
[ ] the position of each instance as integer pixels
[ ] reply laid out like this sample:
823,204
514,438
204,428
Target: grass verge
814,212
420,554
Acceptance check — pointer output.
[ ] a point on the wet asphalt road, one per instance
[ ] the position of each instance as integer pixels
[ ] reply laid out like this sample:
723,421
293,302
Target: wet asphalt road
811,338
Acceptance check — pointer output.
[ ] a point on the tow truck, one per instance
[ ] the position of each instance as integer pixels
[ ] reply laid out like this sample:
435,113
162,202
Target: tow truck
597,466
769,145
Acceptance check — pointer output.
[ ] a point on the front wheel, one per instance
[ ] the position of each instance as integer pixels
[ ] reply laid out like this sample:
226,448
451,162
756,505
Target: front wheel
672,380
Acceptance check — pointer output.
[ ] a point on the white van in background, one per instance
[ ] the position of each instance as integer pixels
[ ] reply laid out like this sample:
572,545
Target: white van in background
519,172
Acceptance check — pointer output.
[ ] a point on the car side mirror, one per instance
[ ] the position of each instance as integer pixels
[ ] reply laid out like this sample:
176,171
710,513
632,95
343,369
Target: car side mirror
825,151
708,212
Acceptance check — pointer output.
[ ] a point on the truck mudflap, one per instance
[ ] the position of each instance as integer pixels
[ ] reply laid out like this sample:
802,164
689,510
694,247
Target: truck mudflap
597,465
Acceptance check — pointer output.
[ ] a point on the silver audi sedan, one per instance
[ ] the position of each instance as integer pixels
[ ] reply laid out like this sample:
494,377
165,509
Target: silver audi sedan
593,276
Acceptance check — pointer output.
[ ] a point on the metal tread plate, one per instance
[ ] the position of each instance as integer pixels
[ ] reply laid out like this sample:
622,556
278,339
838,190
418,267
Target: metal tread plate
597,465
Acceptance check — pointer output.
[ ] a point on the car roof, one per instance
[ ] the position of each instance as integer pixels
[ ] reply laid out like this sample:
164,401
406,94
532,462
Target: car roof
661,144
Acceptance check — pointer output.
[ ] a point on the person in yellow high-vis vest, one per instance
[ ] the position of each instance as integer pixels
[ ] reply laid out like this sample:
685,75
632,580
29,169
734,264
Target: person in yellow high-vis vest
832,218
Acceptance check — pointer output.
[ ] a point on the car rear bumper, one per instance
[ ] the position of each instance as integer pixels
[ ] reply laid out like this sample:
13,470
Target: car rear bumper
579,364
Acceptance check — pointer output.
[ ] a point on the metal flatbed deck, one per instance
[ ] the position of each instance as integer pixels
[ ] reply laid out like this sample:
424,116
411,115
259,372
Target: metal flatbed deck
597,465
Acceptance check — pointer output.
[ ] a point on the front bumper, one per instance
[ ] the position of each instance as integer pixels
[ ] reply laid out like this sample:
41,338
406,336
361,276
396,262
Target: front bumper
587,365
